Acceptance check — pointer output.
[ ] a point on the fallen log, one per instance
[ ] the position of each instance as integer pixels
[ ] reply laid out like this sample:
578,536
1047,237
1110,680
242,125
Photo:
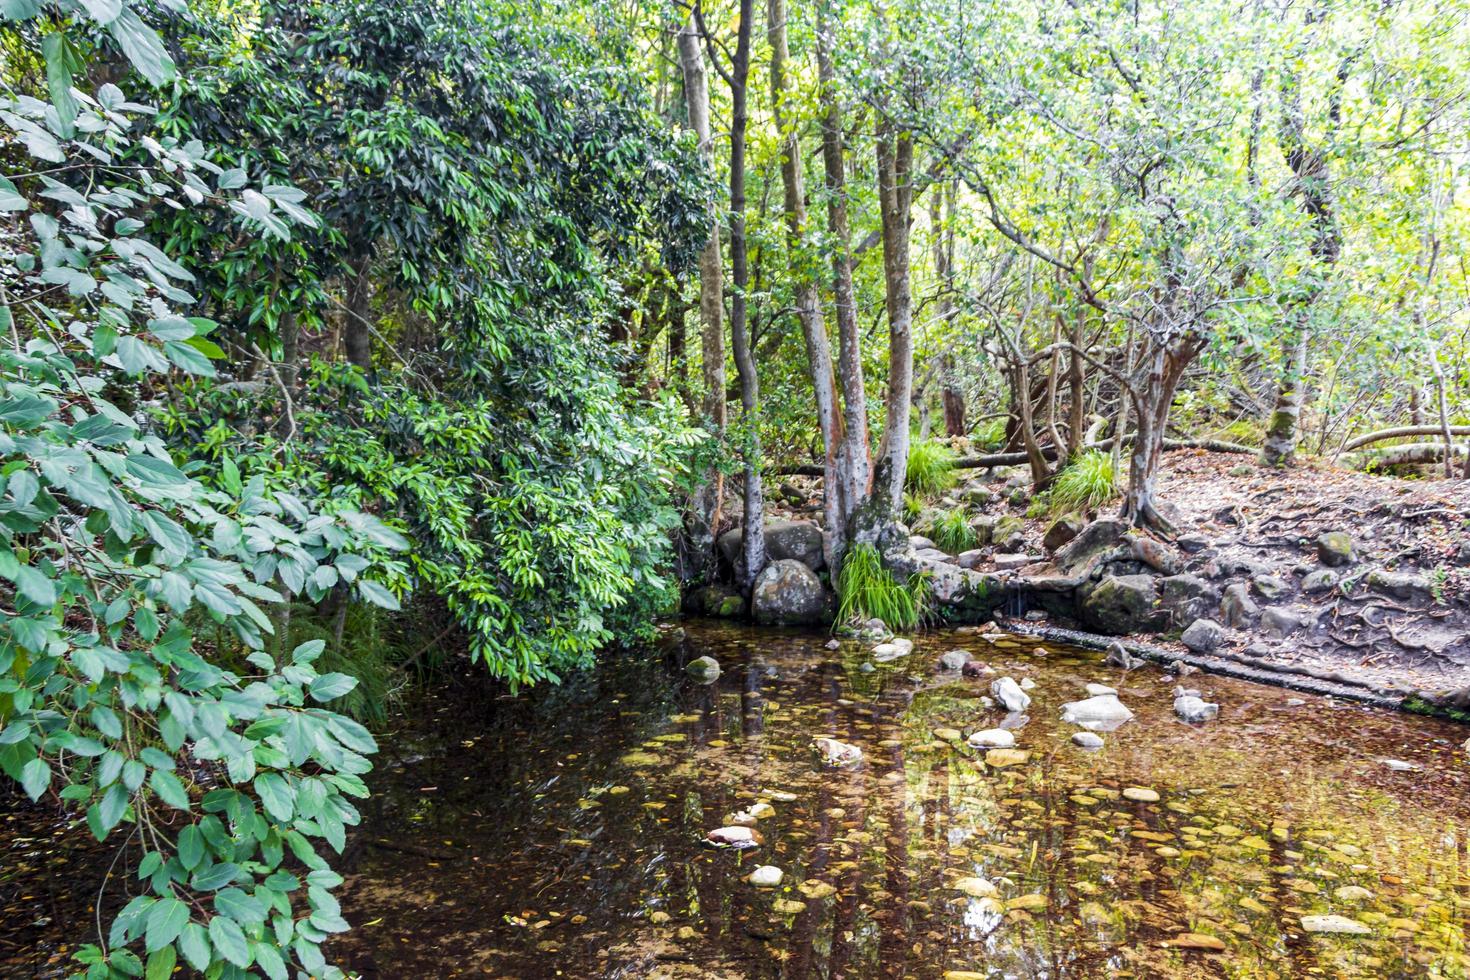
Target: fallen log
1050,452
1402,432
1417,453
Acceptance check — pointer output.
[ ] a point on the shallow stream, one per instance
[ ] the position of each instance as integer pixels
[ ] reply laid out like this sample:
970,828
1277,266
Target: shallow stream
561,834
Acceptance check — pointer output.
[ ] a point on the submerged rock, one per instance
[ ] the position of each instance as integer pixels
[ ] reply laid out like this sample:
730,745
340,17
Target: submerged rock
835,753
1087,740
1027,684
893,650
1335,925
992,738
703,669
739,838
1002,758
1009,694
766,876
1194,709
1101,711
953,660
975,887
974,668
1093,690
1141,794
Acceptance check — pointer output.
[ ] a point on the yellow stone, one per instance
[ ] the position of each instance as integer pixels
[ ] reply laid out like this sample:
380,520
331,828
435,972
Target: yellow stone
1001,758
1029,903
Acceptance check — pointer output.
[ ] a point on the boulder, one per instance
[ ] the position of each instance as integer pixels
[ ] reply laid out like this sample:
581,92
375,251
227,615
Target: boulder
1099,536
715,600
1279,623
788,593
1400,585
1121,604
1009,533
953,660
1321,580
1153,553
1187,598
1335,549
1270,586
1203,636
992,738
794,540
1009,694
1193,708
1062,530
706,670
1237,609
1101,711
970,559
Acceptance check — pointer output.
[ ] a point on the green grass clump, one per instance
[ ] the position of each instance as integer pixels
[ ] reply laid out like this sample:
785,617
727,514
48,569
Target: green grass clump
1088,482
868,591
913,508
952,532
990,434
931,469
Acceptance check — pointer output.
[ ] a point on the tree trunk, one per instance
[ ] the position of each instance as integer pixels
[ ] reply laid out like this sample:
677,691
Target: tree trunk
853,460
895,157
754,552
808,299
1161,366
704,523
1281,433
356,336
950,396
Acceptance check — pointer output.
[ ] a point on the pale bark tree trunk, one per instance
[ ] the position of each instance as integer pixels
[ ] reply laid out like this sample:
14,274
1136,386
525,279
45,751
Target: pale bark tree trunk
708,502
941,215
853,459
895,158
808,298
1160,368
754,553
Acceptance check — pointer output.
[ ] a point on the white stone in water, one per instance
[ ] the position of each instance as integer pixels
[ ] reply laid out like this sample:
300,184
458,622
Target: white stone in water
1338,924
1193,709
1103,711
766,876
1093,690
1087,740
992,738
893,650
975,887
1009,694
1027,684
954,659
780,795
737,837
836,753
1399,765
1141,794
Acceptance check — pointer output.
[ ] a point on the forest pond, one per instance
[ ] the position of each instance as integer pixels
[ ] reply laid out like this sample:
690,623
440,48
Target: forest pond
561,834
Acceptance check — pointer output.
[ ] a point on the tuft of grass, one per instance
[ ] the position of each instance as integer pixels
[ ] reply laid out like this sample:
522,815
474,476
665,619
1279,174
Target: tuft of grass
931,469
990,434
1088,482
868,591
952,531
913,507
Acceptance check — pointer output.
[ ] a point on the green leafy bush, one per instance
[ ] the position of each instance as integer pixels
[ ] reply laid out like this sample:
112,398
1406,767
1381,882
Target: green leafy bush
867,590
112,557
952,531
930,469
1087,482
990,434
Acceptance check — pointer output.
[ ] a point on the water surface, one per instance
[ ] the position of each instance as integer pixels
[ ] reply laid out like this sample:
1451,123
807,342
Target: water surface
560,834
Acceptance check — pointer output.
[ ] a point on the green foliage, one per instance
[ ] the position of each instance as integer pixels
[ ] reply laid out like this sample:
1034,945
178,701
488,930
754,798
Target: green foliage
867,590
952,531
913,507
1087,482
990,434
111,555
930,469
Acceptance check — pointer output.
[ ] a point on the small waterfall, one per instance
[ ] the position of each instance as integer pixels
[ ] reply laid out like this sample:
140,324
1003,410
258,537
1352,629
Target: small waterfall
1015,601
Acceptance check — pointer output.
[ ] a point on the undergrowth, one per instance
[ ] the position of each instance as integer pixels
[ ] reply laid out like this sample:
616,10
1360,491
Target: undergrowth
1088,482
931,469
952,532
990,434
869,591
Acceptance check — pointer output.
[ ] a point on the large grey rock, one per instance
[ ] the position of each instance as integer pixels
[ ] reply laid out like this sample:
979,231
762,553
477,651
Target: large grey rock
1203,636
1194,709
1009,694
1278,622
1007,563
1270,587
1187,598
795,540
970,559
1237,609
1062,530
1400,585
1121,604
706,670
788,593
1099,536
1335,549
1322,580
1101,712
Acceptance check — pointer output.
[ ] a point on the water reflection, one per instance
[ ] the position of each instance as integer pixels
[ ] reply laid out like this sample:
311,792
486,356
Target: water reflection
561,835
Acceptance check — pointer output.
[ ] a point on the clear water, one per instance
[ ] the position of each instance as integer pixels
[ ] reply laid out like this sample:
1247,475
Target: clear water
560,834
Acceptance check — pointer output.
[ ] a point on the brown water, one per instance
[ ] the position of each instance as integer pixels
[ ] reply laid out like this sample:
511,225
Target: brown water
560,835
